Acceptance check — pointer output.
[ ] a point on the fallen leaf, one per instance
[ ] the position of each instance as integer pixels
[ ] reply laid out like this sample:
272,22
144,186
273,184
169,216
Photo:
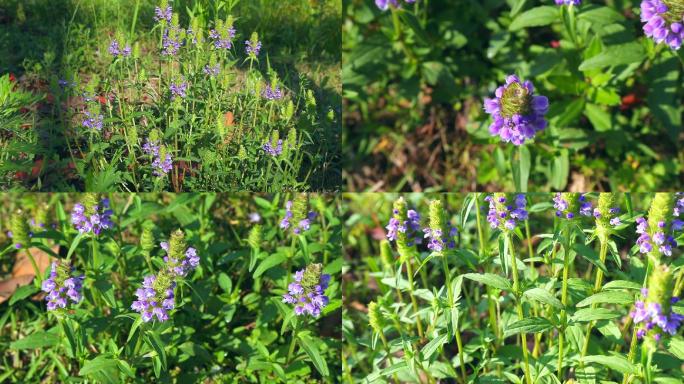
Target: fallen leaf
23,272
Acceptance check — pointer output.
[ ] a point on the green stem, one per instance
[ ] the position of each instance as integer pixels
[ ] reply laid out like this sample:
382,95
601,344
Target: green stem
39,275
389,355
414,303
521,316
457,332
564,301
633,344
292,343
482,252
597,287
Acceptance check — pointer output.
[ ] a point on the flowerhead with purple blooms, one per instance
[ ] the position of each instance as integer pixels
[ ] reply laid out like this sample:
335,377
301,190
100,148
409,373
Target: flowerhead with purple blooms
92,214
517,113
307,292
62,286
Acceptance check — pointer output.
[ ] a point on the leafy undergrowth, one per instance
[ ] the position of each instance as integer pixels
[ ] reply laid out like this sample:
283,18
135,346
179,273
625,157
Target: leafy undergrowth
143,99
536,288
170,288
415,79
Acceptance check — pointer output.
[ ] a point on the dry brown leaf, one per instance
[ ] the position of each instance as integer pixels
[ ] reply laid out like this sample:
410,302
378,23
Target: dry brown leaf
23,272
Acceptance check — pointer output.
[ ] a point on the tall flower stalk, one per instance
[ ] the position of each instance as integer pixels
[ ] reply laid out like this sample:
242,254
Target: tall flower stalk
438,245
402,229
506,213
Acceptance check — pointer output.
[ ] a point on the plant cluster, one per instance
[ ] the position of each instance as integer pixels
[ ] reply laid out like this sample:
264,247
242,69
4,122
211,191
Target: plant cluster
537,288
170,290
423,85
184,99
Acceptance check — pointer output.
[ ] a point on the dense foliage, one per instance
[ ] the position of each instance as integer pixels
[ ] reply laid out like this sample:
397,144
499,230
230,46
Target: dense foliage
528,288
170,288
416,79
172,95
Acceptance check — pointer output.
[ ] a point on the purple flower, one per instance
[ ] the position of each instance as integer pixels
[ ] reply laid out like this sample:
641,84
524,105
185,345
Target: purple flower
650,315
163,14
223,38
92,217
663,23
504,216
517,114
181,266
272,92
212,71
92,121
116,51
297,214
411,227
385,4
179,90
569,2
307,292
272,150
254,217
61,285
160,166
155,300
171,41
252,47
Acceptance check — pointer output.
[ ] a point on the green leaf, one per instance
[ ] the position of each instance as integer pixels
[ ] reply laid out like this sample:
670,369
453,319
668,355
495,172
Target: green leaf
560,170
521,169
535,17
621,284
589,254
543,296
613,297
268,263
102,368
387,371
430,348
615,55
676,346
312,350
23,292
490,279
225,283
600,15
36,340
74,244
592,314
156,344
615,362
529,325
599,118
569,112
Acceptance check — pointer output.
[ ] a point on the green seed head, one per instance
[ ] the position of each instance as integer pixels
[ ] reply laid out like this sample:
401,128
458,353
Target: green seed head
147,237
177,245
675,11
386,254
660,211
242,153
400,213
292,138
41,217
375,317
20,229
606,202
660,287
90,201
311,277
300,208
516,100
254,238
